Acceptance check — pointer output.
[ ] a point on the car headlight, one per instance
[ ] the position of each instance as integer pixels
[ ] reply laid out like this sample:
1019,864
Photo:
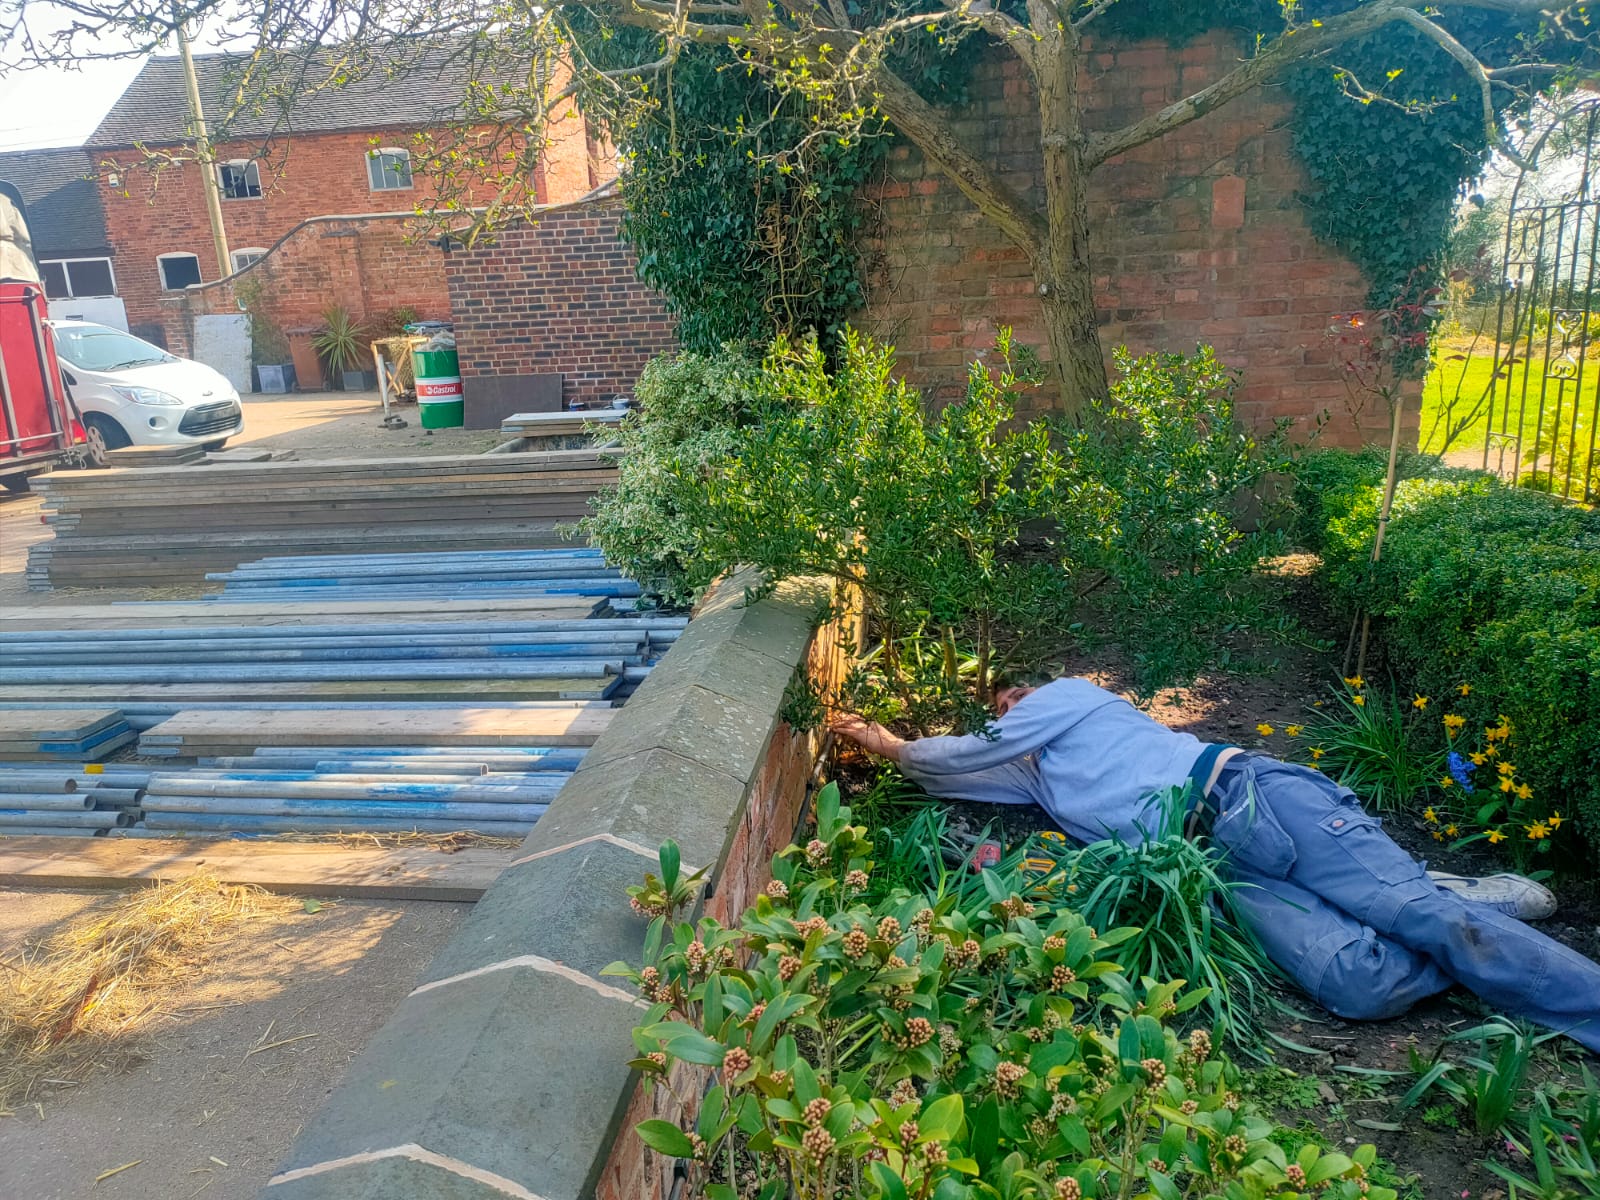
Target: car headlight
142,395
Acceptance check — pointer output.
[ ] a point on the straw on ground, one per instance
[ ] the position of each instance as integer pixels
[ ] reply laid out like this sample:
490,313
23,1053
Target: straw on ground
85,991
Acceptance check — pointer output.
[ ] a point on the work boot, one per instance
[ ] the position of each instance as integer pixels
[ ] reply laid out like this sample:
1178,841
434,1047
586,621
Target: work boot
1514,895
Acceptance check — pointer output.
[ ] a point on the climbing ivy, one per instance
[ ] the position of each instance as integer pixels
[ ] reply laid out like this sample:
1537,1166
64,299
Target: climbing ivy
745,240
744,237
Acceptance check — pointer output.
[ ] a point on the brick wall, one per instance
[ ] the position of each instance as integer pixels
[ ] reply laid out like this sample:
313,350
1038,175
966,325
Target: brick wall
366,266
558,295
1197,237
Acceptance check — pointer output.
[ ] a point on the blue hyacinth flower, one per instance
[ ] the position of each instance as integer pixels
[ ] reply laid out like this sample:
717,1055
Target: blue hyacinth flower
1461,770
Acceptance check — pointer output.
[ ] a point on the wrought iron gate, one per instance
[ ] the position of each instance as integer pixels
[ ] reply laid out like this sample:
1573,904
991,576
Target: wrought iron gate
1544,395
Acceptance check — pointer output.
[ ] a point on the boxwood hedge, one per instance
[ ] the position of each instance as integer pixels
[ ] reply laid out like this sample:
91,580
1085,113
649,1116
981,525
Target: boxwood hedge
1479,583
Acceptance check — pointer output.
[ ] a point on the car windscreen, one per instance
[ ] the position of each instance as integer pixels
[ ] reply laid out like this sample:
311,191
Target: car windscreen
100,348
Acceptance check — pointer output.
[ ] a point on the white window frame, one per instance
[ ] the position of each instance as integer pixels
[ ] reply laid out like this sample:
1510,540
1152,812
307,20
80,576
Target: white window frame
161,272
377,168
256,253
66,271
251,167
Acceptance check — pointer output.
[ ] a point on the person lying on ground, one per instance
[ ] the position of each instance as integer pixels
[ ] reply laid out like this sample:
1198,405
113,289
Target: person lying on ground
1347,914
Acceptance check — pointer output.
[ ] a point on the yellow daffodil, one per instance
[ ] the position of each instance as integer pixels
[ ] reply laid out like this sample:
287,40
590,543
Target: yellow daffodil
1294,730
1507,784
1495,837
1356,681
1524,792
1264,729
1505,768
1465,689
1477,759
1554,820
1420,702
1491,751
1359,701
1431,817
1452,830
1447,783
1454,722
1317,752
1437,836
1537,830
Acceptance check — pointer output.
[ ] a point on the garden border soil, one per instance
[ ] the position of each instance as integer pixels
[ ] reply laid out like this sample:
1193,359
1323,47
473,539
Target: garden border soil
504,1073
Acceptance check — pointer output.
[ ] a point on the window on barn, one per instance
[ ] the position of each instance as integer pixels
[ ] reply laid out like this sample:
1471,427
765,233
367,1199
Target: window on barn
243,258
240,179
389,170
66,278
178,271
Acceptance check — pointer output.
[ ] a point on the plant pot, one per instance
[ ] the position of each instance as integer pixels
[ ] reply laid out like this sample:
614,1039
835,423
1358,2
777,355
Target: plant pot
276,379
359,381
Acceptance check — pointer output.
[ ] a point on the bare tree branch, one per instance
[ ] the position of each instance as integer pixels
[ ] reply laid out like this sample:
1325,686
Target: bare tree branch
1011,213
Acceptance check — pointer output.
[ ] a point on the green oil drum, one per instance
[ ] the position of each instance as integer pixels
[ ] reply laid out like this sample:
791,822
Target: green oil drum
438,376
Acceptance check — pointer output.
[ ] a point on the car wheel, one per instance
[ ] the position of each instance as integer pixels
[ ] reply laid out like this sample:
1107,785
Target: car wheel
94,447
111,435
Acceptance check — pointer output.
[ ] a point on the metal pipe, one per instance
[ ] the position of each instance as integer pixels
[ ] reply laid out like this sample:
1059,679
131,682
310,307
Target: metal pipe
211,632
289,806
560,668
166,786
566,569
54,801
116,797
36,781
586,552
48,831
243,823
330,654
575,753
441,637
86,820
470,767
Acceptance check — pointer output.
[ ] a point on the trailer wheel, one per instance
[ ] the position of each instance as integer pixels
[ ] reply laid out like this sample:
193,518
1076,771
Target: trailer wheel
108,432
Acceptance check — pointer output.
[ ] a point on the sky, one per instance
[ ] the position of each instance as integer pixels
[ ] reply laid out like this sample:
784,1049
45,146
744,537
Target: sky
54,106
58,107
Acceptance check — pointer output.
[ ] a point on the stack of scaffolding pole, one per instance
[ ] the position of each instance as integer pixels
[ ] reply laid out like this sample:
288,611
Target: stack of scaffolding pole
45,798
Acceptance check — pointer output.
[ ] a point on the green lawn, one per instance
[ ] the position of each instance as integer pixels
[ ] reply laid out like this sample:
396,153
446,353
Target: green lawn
1454,400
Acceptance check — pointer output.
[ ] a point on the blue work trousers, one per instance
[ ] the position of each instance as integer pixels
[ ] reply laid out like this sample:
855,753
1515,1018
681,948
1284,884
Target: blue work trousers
1355,920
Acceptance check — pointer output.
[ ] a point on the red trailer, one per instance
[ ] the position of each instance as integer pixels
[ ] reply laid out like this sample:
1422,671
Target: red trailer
38,428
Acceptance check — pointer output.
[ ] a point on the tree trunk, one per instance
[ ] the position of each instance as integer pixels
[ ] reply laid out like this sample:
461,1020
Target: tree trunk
1066,283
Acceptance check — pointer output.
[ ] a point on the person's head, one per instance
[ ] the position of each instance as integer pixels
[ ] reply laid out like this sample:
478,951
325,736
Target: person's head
1014,686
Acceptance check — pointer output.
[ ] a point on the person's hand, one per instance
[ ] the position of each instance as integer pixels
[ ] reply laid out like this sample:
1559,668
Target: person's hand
870,736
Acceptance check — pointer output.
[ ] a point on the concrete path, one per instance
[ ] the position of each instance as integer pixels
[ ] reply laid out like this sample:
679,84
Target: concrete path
184,1099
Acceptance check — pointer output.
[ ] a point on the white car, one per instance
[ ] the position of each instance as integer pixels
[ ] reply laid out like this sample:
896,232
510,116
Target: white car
131,393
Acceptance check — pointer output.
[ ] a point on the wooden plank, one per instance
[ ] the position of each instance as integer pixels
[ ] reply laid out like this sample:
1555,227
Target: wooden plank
386,727
291,868
60,725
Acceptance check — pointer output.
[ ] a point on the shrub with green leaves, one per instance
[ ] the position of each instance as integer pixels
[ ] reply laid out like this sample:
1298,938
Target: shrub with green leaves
1167,470
1478,583
691,408
910,1049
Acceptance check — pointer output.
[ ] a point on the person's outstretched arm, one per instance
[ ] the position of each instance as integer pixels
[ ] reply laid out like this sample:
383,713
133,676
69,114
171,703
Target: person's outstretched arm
1003,783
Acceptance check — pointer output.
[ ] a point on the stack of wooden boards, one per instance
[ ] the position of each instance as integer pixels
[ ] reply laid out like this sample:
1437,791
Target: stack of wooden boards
167,525
561,424
63,735
156,456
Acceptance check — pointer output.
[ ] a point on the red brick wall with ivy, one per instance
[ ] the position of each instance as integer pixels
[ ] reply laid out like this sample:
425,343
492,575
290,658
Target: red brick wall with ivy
558,295
1197,237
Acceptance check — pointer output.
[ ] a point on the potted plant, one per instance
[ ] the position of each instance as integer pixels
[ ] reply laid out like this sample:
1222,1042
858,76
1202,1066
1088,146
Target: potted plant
341,344
271,365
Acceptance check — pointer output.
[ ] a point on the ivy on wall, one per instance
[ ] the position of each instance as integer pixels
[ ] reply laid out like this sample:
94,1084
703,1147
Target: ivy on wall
744,241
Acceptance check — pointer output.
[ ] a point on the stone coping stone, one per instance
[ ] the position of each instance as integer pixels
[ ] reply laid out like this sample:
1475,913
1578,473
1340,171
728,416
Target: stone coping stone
505,1073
